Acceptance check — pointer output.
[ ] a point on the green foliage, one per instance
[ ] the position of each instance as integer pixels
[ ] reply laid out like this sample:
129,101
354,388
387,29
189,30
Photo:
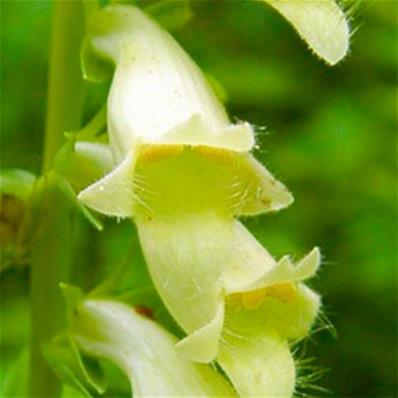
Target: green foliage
94,70
83,374
15,383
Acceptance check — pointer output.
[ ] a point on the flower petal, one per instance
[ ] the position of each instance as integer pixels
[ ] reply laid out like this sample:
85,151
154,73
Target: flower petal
254,349
250,261
253,268
321,23
291,315
285,272
202,345
185,257
259,191
209,178
195,131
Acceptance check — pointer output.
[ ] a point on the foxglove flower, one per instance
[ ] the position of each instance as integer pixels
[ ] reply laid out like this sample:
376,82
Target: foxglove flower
184,173
159,106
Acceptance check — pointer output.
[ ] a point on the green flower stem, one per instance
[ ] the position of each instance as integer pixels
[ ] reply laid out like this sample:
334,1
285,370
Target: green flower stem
65,95
51,253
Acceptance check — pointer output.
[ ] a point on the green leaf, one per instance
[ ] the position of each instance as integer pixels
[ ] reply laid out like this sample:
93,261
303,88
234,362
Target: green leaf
171,14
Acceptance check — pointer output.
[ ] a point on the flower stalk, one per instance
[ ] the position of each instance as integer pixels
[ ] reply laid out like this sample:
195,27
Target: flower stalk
51,253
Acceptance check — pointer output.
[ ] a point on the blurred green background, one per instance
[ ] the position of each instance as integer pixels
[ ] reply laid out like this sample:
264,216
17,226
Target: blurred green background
328,133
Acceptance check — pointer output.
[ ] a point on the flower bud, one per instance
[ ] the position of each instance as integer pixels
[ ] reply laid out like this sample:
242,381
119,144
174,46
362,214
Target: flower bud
144,351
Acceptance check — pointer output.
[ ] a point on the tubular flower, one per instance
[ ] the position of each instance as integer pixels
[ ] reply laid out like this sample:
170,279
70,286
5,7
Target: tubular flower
144,351
159,107
184,173
254,304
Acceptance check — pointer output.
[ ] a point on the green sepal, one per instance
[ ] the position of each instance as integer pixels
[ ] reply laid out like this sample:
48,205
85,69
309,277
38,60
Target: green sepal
73,296
87,376
82,373
92,130
95,69
70,193
74,169
83,162
54,179
218,88
171,14
117,382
